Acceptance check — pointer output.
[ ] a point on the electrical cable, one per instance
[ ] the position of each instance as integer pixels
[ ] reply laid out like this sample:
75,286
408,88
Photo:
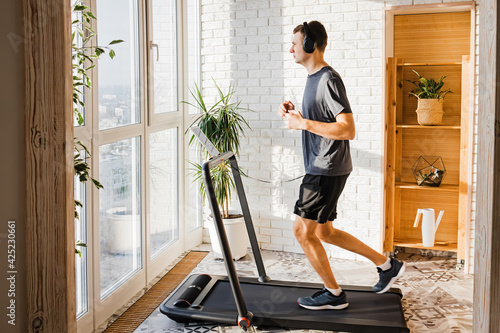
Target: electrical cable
269,181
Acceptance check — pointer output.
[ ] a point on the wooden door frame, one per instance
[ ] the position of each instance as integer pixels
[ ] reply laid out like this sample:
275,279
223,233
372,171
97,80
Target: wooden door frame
486,303
50,227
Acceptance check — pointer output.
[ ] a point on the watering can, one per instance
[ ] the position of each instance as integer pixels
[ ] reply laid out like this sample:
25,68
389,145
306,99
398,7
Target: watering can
429,225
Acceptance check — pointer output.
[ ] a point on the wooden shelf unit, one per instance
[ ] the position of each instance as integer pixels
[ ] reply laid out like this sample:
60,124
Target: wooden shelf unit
406,140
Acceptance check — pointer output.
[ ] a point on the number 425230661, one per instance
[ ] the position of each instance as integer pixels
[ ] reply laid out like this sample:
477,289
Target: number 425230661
11,248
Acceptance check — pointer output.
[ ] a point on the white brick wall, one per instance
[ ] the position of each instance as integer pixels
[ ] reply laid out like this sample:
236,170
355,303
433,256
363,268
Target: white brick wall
247,42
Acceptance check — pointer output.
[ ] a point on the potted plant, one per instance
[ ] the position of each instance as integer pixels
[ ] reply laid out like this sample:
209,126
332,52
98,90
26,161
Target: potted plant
430,99
223,124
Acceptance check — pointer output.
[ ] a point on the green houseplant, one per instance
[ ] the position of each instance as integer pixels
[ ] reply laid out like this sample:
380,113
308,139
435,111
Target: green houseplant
224,125
430,95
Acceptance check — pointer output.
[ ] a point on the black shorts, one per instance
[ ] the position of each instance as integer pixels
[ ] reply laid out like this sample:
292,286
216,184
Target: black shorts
318,197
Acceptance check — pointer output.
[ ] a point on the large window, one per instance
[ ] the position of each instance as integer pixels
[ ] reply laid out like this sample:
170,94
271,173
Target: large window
194,208
194,47
163,189
164,47
81,272
80,193
119,213
119,79
135,128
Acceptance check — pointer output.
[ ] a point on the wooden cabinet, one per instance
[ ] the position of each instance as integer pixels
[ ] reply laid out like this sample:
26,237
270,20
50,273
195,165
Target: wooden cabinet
406,140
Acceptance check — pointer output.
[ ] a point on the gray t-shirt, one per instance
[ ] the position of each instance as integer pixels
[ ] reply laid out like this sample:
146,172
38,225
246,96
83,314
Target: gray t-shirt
324,98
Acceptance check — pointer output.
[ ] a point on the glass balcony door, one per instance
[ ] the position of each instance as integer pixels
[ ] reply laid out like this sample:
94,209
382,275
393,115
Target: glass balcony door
119,147
144,218
165,177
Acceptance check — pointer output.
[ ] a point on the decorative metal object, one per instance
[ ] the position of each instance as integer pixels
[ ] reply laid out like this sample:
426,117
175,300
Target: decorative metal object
429,170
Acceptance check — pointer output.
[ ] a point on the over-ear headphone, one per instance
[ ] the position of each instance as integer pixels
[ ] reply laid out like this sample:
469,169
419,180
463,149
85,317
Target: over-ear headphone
308,44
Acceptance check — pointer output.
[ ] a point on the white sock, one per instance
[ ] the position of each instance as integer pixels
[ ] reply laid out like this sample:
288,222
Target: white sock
386,265
335,292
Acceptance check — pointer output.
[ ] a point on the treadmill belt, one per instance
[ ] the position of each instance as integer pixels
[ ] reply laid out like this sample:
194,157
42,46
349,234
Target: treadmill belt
272,299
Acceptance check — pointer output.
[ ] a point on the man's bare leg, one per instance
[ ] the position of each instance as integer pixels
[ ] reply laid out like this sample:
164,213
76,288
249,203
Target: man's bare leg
305,232
328,234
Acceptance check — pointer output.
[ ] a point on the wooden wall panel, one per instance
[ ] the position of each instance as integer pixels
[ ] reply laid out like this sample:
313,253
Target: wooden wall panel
435,37
50,244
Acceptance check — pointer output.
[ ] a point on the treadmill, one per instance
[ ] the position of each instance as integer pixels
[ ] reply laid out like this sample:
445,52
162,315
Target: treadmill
262,302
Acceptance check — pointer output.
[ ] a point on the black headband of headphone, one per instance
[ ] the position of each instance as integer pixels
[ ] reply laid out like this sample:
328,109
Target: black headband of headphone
308,44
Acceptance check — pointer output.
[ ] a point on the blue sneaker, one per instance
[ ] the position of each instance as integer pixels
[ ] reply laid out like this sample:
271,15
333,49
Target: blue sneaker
324,300
388,277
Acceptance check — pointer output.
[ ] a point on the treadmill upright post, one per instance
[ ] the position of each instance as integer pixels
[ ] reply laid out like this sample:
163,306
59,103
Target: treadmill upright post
244,316
248,220
241,194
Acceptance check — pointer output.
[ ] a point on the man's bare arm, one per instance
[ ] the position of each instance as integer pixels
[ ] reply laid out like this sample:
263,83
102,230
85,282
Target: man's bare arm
342,129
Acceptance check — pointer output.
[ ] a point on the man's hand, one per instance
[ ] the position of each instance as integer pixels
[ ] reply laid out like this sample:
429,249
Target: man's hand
285,107
295,120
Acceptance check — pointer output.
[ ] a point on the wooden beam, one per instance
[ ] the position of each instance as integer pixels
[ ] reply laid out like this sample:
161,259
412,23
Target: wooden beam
50,258
465,184
487,247
390,137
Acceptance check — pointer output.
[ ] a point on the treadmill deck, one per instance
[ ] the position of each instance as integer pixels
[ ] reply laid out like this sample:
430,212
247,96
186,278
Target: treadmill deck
274,303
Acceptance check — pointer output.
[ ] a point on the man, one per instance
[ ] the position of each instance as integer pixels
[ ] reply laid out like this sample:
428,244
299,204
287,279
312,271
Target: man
327,126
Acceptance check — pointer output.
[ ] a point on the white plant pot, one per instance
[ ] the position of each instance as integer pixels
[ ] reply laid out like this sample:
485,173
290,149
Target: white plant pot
121,231
237,236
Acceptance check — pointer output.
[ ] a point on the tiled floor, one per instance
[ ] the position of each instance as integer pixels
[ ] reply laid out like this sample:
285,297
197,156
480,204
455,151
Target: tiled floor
437,297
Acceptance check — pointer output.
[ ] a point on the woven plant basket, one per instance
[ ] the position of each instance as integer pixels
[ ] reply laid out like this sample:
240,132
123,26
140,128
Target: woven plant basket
430,111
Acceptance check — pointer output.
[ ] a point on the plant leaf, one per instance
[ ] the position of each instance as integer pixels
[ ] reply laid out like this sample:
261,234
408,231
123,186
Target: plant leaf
116,41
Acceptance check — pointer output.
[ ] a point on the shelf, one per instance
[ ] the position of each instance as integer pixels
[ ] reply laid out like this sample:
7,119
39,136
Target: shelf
439,246
437,127
405,64
413,186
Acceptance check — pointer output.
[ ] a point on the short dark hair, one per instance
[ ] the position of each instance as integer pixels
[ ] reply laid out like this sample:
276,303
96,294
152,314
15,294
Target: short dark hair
318,33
